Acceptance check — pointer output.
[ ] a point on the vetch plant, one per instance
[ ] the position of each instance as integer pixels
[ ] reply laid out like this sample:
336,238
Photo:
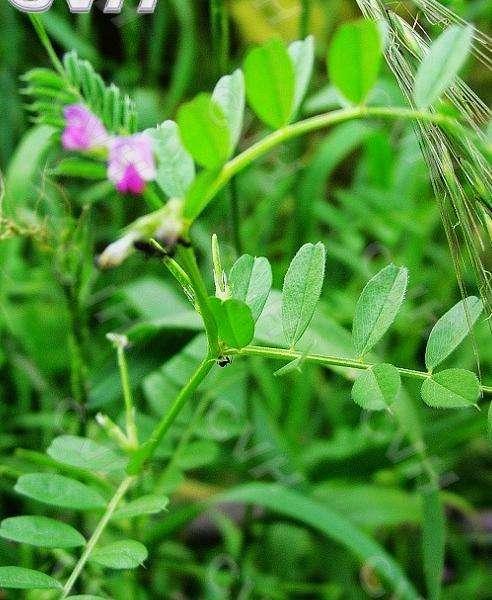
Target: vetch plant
175,170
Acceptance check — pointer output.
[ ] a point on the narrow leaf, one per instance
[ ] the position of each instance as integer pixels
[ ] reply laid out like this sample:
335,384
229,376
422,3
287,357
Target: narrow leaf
125,554
204,131
377,387
302,54
176,169
230,95
26,579
270,85
451,329
377,306
58,490
302,289
452,388
354,59
145,505
40,531
85,454
234,320
433,541
250,280
441,64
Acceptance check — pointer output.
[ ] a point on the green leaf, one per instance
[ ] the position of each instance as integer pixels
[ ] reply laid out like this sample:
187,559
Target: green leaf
377,306
200,193
26,579
452,388
377,387
85,454
81,167
40,531
58,490
301,53
230,95
250,280
433,541
441,64
354,59
204,131
145,505
176,169
234,320
321,517
302,289
125,554
270,84
451,329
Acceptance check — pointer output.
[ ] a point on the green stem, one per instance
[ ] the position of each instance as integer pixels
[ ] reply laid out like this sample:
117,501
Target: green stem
91,544
146,451
131,428
327,361
193,209
304,18
45,41
220,35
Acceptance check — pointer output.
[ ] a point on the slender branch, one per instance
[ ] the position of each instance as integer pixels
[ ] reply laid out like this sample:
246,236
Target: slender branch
146,451
131,428
193,209
328,361
108,513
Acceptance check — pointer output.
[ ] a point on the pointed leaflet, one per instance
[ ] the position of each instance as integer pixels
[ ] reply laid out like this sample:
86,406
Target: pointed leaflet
452,388
441,64
377,306
19,578
176,169
229,93
40,531
250,280
58,490
302,54
125,554
234,320
301,290
377,387
354,58
85,454
270,84
204,131
451,329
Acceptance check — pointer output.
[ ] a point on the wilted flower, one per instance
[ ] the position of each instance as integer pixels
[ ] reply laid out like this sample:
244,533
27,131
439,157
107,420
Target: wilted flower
131,163
83,130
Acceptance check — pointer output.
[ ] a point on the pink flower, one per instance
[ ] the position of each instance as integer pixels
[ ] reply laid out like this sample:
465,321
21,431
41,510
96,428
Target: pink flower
83,130
131,163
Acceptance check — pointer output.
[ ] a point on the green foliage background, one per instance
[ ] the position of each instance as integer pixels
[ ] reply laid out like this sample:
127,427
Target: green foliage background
363,190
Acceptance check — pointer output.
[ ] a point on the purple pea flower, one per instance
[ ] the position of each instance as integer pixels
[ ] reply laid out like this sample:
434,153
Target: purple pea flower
131,163
83,130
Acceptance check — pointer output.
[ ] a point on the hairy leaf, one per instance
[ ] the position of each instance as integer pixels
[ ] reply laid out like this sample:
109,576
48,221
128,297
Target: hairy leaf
250,280
377,387
85,454
145,505
302,289
26,579
354,59
176,169
125,554
234,320
40,531
440,66
377,306
451,329
452,388
270,84
58,490
230,95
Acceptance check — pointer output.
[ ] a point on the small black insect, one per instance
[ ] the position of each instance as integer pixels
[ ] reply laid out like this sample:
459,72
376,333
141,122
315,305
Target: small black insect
224,361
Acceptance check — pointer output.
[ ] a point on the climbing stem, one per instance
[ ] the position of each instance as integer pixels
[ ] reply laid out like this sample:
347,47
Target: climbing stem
91,544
